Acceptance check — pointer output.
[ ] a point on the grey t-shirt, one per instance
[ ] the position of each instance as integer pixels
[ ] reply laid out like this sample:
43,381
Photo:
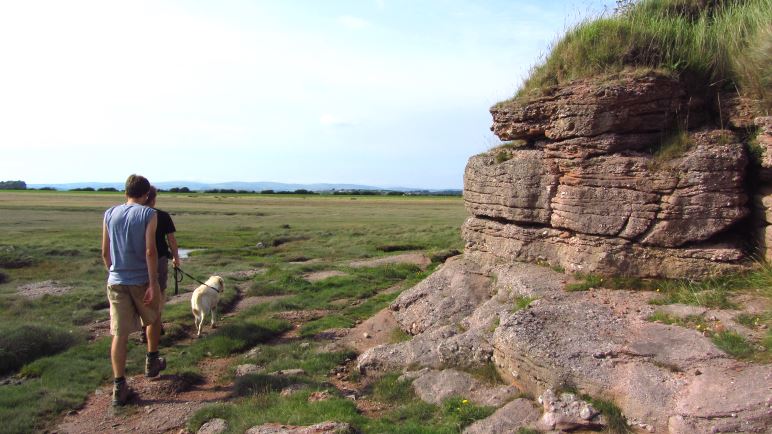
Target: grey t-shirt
126,226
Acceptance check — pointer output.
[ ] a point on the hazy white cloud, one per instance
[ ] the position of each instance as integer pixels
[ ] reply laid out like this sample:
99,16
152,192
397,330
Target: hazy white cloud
352,22
381,4
330,120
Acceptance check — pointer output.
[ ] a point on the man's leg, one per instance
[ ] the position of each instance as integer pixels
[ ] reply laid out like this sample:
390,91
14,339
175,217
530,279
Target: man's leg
118,355
153,335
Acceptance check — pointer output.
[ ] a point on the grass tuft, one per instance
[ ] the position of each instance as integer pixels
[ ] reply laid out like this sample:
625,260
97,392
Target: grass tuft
522,302
390,389
733,344
588,281
463,412
21,344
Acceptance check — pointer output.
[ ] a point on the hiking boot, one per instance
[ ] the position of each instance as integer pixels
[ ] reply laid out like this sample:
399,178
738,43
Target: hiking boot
154,365
121,394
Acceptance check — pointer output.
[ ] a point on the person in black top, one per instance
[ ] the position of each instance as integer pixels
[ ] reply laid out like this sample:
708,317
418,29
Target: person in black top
166,244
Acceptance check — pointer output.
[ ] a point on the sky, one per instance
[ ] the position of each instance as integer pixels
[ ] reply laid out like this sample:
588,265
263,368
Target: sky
377,92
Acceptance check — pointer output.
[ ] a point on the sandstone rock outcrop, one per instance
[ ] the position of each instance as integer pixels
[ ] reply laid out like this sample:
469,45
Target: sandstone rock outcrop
596,183
586,193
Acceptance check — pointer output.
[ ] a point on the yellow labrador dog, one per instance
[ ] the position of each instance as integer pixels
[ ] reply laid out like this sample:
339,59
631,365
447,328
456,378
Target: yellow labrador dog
204,300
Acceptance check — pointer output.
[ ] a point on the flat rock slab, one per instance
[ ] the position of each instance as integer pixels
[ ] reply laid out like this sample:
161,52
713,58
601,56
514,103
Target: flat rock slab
682,310
46,287
663,377
320,428
415,258
436,386
517,414
321,275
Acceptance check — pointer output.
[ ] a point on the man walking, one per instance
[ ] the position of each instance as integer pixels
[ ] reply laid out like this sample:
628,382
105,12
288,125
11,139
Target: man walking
130,256
166,245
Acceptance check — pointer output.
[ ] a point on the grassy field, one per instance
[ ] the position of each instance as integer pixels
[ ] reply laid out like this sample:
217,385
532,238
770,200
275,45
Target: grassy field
56,236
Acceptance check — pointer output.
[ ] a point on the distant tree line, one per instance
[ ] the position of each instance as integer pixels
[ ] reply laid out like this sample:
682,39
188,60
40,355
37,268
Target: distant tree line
233,191
13,185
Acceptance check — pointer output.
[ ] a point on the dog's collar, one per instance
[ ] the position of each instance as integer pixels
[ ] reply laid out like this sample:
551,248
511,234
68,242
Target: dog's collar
212,287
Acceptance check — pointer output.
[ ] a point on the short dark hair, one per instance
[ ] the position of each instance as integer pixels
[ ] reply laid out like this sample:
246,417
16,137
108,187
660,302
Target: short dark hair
152,193
137,186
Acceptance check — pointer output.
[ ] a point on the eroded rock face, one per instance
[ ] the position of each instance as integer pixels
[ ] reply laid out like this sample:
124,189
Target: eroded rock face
585,108
588,182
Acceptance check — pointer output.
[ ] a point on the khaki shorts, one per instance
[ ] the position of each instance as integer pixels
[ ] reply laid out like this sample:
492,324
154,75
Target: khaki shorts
127,312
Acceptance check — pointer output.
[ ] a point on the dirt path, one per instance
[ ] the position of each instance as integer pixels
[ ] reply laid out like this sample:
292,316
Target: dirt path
160,405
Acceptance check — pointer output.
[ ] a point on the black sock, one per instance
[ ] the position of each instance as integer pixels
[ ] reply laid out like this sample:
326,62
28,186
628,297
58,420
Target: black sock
119,380
153,355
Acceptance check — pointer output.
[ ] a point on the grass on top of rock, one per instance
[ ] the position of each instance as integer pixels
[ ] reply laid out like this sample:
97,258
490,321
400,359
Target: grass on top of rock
723,42
713,292
727,340
615,420
522,302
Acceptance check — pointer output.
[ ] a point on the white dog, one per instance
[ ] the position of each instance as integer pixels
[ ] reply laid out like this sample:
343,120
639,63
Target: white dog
204,300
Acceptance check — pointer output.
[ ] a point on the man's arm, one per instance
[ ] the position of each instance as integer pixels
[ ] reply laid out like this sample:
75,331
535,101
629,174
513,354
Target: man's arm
153,290
106,247
173,246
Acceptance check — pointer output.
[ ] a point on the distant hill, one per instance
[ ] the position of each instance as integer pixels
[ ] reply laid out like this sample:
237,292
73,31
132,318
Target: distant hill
250,186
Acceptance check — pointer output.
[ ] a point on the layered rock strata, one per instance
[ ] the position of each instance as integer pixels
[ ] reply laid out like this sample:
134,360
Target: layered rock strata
586,191
763,196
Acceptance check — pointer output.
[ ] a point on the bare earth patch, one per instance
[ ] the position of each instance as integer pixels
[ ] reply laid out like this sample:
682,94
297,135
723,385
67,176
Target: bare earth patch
247,302
242,274
321,275
415,258
39,289
374,331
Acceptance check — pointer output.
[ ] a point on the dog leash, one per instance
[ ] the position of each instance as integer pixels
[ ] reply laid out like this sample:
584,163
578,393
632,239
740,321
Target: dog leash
178,278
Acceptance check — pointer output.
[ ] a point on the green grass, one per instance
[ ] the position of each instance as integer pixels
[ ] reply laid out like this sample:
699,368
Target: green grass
263,404
398,335
727,43
390,389
733,344
56,235
728,341
23,343
714,292
59,383
293,356
586,282
615,420
522,302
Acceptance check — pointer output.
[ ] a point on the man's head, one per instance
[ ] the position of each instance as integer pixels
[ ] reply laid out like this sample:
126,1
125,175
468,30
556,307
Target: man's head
137,186
151,195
